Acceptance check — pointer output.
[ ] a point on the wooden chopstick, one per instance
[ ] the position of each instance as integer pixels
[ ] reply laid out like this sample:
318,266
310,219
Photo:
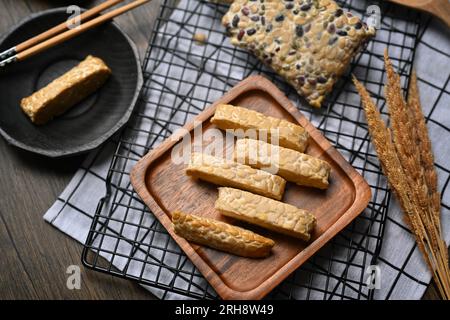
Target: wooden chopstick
57,29
72,33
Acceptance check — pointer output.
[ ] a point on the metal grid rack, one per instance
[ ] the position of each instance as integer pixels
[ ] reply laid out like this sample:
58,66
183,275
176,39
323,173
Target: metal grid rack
181,79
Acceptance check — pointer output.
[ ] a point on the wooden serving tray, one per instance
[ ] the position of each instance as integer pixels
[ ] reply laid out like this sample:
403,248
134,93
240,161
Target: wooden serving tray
165,187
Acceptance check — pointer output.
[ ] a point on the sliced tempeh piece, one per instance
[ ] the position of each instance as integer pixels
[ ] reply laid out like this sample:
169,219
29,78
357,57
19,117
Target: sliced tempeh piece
66,91
273,215
231,174
292,165
254,123
221,235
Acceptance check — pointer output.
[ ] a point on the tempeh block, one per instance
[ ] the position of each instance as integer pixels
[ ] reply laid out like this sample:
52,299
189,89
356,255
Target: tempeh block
292,165
66,91
289,134
308,42
220,235
231,174
273,215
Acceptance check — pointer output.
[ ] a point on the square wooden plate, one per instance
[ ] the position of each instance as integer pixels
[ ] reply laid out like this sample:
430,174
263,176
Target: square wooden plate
164,187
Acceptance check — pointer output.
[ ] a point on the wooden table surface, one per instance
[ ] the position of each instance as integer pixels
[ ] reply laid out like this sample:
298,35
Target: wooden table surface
35,255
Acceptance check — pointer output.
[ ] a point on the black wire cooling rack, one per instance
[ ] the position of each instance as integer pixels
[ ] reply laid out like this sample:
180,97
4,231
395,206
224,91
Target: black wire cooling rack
183,77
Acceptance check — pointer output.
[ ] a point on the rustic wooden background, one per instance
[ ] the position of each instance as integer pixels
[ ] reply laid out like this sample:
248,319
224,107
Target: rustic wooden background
35,255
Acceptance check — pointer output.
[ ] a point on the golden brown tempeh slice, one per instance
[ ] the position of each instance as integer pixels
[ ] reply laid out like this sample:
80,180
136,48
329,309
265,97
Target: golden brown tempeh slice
290,135
222,1
221,235
66,91
292,165
273,215
231,174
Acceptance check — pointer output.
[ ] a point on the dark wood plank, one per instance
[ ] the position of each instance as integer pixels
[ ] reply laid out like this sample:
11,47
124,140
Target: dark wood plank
35,255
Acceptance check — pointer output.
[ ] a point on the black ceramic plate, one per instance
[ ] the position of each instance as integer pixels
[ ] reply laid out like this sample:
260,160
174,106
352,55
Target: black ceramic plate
92,121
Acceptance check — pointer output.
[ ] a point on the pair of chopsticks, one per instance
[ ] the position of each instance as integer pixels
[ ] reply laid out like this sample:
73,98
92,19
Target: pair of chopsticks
63,32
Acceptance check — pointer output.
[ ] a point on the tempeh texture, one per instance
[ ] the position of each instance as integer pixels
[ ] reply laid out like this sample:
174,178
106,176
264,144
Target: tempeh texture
308,42
273,215
292,165
66,91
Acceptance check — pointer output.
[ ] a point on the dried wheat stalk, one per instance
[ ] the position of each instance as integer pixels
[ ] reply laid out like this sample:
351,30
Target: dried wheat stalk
407,160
